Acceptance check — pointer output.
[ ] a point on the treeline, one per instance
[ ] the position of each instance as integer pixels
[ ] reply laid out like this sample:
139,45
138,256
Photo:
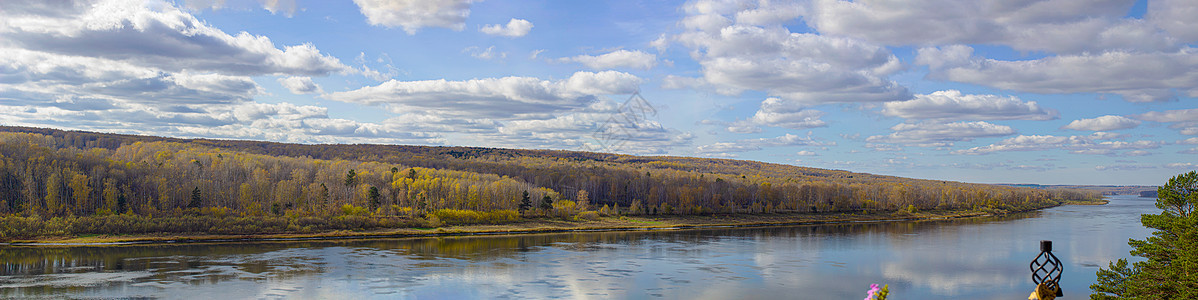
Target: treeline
47,173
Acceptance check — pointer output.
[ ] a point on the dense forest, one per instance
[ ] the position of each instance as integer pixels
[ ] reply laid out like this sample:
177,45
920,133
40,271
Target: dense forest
54,181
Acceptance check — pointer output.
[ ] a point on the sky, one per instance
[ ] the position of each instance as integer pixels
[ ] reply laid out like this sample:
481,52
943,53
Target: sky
990,91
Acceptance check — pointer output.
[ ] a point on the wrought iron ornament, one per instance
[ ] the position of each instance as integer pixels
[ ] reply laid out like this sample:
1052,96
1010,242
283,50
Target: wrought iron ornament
1046,268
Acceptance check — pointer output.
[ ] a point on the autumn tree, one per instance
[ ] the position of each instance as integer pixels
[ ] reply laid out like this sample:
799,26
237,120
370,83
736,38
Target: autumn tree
111,196
54,201
81,192
582,200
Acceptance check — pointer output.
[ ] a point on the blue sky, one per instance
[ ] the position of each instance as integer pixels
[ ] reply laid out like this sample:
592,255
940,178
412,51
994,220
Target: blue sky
1050,92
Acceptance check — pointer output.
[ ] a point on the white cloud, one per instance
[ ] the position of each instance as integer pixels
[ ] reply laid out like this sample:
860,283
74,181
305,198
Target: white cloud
484,54
1189,151
803,67
601,126
1124,167
300,85
726,147
1189,141
806,153
1103,123
535,53
1137,153
1180,115
776,112
953,105
1184,120
616,59
679,82
158,35
413,15
32,76
286,7
933,134
514,28
1059,26
1076,145
787,140
250,112
1177,17
1137,76
1187,165
497,98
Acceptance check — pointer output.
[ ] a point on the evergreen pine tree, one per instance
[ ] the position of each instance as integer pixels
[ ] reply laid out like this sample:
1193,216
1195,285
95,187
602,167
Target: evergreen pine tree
195,198
1171,268
525,203
546,202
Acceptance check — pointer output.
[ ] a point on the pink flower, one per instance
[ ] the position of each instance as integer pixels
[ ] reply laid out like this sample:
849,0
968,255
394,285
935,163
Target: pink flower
873,290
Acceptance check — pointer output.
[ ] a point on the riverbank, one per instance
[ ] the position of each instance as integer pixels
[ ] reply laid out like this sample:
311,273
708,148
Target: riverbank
527,226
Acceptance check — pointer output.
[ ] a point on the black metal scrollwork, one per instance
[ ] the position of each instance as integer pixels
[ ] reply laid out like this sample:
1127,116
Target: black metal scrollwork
1046,268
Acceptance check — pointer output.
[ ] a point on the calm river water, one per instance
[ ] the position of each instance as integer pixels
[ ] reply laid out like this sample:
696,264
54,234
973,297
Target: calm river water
970,259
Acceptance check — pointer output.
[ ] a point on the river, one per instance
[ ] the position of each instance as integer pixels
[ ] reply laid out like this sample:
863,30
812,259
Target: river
981,258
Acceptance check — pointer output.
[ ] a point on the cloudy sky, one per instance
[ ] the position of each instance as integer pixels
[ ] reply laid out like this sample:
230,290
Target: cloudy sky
995,91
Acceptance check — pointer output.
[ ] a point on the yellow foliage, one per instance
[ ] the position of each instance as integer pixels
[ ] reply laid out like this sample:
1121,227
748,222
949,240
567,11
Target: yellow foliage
466,216
589,215
351,210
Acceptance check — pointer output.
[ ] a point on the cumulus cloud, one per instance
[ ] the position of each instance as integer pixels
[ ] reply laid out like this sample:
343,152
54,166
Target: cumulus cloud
300,85
616,59
1075,144
953,105
1136,76
160,36
933,134
39,76
413,15
497,98
514,28
1189,141
1103,123
739,55
775,112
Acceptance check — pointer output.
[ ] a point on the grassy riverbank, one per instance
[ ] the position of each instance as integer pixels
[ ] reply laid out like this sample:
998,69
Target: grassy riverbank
533,225
412,227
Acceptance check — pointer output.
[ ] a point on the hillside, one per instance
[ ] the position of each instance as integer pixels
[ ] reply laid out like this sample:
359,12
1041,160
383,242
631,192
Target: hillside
46,173
1104,189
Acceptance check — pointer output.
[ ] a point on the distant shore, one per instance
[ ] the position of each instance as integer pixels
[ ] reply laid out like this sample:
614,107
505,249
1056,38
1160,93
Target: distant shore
529,226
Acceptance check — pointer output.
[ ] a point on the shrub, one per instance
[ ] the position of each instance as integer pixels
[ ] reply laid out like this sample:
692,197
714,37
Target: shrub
587,215
350,210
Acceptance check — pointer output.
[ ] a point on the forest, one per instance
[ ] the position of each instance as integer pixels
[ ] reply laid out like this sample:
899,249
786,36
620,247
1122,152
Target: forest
55,182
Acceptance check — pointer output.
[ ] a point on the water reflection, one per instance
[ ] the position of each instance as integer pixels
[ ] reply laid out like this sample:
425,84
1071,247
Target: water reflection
977,258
